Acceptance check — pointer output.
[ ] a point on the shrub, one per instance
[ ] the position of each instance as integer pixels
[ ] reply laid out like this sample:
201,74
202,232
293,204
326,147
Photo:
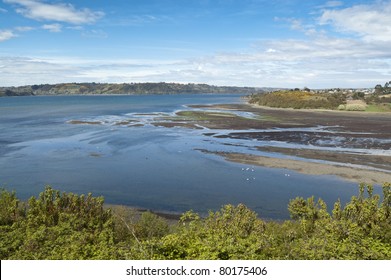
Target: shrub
234,232
59,226
298,100
342,107
67,226
355,107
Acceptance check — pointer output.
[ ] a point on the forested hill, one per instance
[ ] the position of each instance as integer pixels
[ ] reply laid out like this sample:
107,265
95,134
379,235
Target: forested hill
125,88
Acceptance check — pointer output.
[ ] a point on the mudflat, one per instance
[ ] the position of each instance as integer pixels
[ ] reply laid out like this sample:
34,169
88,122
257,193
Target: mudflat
352,145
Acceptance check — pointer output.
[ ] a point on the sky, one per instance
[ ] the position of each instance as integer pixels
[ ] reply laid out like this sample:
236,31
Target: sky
257,43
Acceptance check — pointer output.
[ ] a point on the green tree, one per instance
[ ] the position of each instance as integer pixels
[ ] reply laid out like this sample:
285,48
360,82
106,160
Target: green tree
378,89
231,233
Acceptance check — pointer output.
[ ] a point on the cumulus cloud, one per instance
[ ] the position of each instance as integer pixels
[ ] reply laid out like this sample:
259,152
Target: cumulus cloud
6,35
60,12
318,60
319,63
298,25
371,22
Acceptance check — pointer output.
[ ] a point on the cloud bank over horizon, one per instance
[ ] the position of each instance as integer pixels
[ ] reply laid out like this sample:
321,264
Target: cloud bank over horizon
242,43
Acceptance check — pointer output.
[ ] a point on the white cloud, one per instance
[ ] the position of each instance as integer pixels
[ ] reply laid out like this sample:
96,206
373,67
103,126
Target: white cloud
3,10
297,24
23,71
270,50
55,27
6,35
59,12
371,22
318,61
17,71
24,28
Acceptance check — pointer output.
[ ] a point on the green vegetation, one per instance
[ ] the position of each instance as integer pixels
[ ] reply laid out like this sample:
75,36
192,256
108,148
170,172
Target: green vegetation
355,107
125,88
204,116
299,99
67,226
55,226
381,108
348,100
378,103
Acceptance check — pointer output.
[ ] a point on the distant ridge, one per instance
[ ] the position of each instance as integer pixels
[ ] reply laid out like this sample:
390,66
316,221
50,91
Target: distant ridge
124,88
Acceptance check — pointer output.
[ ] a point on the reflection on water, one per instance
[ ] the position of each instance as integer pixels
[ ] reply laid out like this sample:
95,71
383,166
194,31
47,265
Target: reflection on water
114,150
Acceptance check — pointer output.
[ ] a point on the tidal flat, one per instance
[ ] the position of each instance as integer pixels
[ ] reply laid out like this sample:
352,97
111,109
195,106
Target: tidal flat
170,154
351,145
354,146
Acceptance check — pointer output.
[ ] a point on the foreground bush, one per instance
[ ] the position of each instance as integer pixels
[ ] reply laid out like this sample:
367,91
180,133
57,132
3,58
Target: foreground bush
355,107
56,226
67,226
231,233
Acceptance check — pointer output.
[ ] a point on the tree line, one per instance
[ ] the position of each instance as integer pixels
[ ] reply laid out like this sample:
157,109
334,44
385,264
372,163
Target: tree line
383,90
59,225
123,88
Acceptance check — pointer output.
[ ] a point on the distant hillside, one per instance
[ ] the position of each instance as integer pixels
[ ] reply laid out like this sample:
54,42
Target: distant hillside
344,100
299,99
131,88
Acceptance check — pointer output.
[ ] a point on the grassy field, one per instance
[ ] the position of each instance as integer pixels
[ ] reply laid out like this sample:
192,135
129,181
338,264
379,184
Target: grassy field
381,108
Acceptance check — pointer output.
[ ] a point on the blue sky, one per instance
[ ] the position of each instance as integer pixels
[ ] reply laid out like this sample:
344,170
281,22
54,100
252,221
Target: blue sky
291,43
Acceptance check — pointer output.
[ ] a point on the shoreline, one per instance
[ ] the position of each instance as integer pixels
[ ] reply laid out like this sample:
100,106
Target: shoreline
321,142
354,174
342,112
354,126
314,137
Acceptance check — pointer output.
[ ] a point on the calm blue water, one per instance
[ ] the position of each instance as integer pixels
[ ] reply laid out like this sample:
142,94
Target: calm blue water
144,166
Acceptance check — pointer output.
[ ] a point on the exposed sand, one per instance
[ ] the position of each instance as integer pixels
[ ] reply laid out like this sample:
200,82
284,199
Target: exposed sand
348,173
375,161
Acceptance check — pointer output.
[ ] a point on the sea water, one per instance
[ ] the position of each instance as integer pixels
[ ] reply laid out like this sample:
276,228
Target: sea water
140,164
